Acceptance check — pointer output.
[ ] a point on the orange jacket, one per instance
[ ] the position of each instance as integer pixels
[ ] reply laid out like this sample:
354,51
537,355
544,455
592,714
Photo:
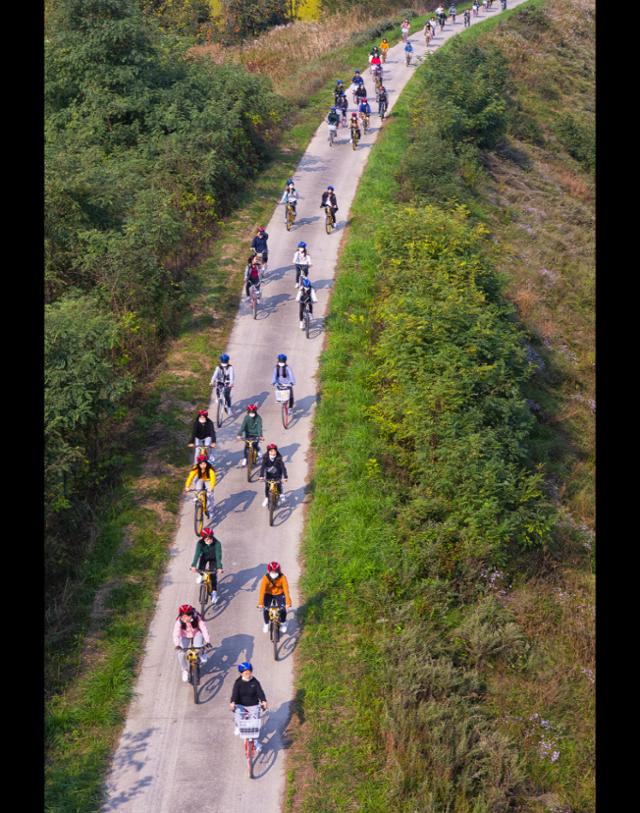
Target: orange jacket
274,588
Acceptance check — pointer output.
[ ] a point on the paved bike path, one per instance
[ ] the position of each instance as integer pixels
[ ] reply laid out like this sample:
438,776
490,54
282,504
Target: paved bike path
174,755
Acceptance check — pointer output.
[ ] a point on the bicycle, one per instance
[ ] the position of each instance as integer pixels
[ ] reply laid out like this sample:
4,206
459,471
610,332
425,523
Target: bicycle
193,659
200,449
364,118
249,722
273,496
206,588
274,627
330,221
251,454
355,137
254,295
221,403
306,317
332,134
407,57
282,397
291,216
200,510
382,110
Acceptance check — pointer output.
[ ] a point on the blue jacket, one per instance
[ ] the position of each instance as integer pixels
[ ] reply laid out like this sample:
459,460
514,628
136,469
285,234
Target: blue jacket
260,243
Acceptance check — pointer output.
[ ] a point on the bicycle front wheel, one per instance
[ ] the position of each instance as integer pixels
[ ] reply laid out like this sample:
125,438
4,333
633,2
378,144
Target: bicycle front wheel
203,597
220,414
249,455
272,505
307,323
249,749
195,680
198,517
254,306
285,414
276,638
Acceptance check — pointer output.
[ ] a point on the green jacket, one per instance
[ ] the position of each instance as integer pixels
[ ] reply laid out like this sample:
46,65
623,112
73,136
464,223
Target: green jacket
213,551
251,426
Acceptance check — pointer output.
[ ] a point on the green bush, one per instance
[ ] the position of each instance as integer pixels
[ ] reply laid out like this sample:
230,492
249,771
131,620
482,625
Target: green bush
578,137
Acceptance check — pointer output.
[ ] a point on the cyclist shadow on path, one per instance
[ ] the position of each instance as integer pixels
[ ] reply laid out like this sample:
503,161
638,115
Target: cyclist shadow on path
288,452
128,757
225,658
290,641
230,585
278,273
294,499
304,221
274,738
302,408
231,505
270,305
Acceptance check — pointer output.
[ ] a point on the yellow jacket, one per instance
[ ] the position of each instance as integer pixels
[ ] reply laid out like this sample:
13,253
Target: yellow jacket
194,473
384,46
275,588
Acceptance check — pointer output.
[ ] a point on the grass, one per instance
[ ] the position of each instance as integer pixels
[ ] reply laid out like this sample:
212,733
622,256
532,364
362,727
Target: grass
93,643
514,668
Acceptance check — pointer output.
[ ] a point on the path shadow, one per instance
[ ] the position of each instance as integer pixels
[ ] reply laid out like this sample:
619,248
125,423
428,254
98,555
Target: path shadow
323,283
302,408
294,499
232,650
304,221
290,641
278,273
232,503
270,303
128,756
274,738
288,452
316,328
342,225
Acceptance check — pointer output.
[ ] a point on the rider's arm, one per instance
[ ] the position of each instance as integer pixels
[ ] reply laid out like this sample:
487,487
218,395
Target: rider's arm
203,629
217,549
314,298
273,377
197,553
285,586
263,464
284,469
292,377
298,295
212,477
176,633
192,475
262,589
261,695
259,425
214,377
283,199
211,430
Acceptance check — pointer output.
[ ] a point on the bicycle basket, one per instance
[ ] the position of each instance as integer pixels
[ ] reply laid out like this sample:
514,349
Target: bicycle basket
249,727
282,395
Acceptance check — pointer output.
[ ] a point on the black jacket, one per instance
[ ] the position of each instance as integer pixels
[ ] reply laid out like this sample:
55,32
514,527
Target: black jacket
203,430
331,197
273,470
247,692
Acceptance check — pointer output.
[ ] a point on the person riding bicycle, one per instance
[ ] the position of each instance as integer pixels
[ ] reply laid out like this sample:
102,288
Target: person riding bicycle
382,99
405,27
259,245
354,126
361,93
290,196
374,60
452,12
273,468
306,295
329,199
189,627
408,49
247,693
202,434
208,556
384,47
365,110
302,262
333,120
283,376
338,89
225,376
274,589
203,476
252,275
343,106
251,429
434,24
466,18
356,79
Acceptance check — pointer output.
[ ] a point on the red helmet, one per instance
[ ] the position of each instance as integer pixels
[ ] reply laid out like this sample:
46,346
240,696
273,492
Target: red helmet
260,228
252,408
203,412
186,609
202,458
206,532
272,446
273,566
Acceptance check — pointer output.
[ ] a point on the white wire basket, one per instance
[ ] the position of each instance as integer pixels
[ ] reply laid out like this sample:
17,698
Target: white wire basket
249,724
282,395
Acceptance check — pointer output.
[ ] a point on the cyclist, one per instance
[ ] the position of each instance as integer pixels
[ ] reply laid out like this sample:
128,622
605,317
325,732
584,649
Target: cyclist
208,556
338,90
225,377
189,627
289,184
247,693
361,93
203,476
333,119
503,5
302,261
365,111
252,275
356,81
452,13
442,16
290,196
273,468
283,376
354,127
476,7
428,33
329,199
466,18
434,24
274,589
383,102
203,434
251,429
405,27
374,60
259,245
306,294
343,106
384,47
408,50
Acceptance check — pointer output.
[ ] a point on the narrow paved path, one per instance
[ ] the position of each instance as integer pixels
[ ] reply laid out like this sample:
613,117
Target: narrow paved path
174,755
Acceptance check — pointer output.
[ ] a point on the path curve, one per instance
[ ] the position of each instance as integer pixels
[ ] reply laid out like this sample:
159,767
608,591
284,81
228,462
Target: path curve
174,755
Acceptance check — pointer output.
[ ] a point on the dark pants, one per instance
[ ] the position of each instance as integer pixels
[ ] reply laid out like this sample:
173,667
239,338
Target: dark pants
302,304
266,488
246,448
209,564
257,287
268,601
227,393
301,269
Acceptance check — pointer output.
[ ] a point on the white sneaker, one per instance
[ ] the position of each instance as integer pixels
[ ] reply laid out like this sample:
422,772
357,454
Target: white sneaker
214,597
301,325
258,747
203,659
283,628
185,676
265,628
198,579
281,499
264,502
244,461
236,731
296,285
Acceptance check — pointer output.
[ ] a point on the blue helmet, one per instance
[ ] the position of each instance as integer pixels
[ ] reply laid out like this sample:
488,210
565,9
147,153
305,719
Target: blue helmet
302,244
224,358
331,188
306,282
245,666
333,109
282,357
289,181
339,82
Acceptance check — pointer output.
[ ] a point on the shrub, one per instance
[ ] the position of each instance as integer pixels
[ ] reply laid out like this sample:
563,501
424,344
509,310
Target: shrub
577,135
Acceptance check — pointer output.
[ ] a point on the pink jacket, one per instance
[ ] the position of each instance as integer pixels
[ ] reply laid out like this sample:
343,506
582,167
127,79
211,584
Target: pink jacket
189,631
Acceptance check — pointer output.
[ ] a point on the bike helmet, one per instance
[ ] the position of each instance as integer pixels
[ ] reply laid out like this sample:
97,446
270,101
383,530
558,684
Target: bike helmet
306,282
206,532
282,357
289,181
339,82
302,244
260,228
245,666
272,446
224,358
333,109
202,458
274,566
331,188
186,609
252,408
204,411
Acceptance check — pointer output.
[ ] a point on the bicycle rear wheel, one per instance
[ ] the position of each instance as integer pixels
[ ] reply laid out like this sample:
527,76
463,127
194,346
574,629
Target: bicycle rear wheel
285,414
254,305
272,506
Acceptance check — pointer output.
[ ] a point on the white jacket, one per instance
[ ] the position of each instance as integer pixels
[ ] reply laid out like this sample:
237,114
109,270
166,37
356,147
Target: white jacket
314,298
301,259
